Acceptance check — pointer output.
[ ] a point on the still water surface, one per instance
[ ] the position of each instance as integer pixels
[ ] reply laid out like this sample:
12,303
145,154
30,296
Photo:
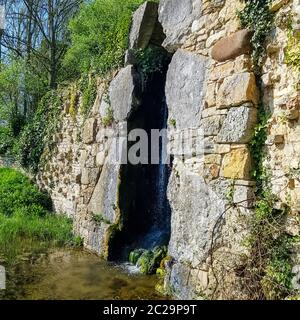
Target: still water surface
74,274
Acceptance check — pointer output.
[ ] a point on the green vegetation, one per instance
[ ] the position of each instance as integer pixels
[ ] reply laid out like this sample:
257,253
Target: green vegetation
25,216
91,41
257,17
98,218
99,36
108,119
268,269
150,60
38,133
257,147
148,260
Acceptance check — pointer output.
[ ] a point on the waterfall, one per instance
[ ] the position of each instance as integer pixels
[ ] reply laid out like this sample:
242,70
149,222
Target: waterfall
160,211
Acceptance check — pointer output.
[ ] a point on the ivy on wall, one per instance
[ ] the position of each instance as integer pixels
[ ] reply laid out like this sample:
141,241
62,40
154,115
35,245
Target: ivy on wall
257,17
268,271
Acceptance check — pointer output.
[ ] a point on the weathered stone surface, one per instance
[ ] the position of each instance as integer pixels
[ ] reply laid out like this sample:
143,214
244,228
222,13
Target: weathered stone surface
232,46
221,71
143,24
211,125
237,164
104,199
244,196
185,88
237,89
176,17
89,131
195,210
238,125
123,93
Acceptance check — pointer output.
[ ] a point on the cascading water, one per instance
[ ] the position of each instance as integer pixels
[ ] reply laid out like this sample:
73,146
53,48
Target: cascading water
144,206
160,229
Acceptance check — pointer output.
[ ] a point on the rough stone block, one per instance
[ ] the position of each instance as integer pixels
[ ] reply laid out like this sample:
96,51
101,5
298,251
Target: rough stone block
185,88
222,71
237,164
232,46
143,24
211,125
238,125
176,18
210,97
124,93
244,196
237,89
89,131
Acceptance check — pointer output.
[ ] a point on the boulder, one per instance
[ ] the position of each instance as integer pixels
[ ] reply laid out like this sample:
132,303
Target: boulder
238,125
176,18
143,25
185,88
232,46
124,93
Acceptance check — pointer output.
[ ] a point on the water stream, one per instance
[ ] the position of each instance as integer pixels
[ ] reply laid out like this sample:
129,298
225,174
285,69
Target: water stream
64,274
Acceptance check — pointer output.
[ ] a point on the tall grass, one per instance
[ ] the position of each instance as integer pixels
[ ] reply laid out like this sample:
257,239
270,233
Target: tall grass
25,217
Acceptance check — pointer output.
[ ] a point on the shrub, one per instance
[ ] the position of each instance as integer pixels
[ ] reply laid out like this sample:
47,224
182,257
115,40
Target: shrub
99,35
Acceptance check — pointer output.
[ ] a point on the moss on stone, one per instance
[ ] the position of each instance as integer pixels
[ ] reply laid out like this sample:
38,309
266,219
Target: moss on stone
148,260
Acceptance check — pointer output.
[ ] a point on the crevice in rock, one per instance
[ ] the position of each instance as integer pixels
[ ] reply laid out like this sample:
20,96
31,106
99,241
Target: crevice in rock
145,215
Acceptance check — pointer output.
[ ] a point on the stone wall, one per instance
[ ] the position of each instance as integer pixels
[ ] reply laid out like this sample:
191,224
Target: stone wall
211,88
211,85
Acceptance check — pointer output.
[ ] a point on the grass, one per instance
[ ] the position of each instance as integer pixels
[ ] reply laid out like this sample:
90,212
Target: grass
26,219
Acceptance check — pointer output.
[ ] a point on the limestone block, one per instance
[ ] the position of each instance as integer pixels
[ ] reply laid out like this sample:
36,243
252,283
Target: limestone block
237,164
222,71
211,125
100,158
143,24
89,131
185,88
176,18
89,176
237,89
238,125
124,93
210,97
85,176
232,46
215,38
244,196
